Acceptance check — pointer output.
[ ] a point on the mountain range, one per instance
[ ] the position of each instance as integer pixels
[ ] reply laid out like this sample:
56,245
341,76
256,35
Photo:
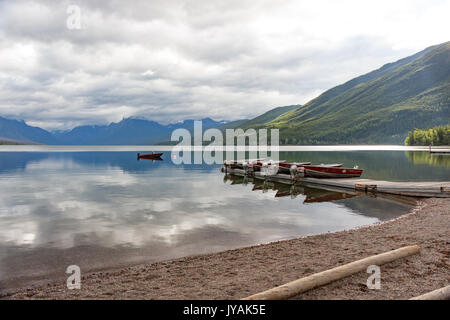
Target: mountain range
379,107
129,131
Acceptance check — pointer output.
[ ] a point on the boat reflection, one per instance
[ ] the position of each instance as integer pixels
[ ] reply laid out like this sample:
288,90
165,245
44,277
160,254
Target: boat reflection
154,159
312,195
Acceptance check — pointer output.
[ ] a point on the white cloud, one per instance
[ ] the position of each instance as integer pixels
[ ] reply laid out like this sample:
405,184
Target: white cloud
168,60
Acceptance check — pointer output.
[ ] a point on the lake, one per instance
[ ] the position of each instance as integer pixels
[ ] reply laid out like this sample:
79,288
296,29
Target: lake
62,206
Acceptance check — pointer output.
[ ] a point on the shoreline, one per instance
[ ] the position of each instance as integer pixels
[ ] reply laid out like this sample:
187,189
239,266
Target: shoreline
237,273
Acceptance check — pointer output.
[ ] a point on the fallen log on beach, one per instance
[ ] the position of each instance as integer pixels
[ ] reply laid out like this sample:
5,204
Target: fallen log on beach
439,294
319,279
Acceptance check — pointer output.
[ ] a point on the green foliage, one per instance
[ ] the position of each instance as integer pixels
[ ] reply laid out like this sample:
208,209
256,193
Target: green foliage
259,120
379,107
437,136
269,116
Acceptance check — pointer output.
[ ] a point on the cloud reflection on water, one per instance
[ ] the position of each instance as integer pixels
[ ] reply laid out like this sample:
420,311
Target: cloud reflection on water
58,203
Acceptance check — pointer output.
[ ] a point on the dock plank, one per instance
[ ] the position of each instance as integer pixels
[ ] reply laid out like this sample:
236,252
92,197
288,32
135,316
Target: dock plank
410,188
439,189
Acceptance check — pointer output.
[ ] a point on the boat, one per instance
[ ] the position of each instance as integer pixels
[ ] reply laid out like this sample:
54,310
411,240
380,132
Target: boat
290,167
240,164
325,171
268,164
152,156
287,167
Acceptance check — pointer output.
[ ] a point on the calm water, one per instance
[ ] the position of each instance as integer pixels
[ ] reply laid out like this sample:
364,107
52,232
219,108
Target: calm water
97,209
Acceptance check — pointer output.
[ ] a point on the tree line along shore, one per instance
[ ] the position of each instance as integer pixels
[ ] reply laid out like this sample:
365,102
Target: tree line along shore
437,136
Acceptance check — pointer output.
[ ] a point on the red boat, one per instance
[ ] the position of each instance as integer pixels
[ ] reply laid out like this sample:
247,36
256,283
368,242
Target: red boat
149,156
285,167
259,164
324,171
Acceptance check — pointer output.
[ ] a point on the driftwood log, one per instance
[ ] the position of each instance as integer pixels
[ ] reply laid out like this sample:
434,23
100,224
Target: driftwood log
439,294
319,279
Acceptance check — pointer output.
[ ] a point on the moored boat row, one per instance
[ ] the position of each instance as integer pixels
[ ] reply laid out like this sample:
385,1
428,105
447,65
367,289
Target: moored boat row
304,169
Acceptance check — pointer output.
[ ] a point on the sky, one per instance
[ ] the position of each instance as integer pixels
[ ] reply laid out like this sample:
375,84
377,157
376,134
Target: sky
69,63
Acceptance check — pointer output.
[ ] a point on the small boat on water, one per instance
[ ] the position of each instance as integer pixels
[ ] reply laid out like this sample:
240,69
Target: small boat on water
151,156
241,164
257,166
287,167
290,167
324,171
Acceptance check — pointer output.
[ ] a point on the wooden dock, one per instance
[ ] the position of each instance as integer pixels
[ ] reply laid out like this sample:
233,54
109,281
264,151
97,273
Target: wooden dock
409,188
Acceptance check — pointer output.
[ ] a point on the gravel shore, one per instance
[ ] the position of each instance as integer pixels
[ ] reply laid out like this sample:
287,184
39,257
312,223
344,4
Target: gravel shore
235,274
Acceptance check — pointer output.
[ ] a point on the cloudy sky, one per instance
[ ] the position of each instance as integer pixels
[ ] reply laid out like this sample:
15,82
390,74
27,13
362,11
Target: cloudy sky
172,60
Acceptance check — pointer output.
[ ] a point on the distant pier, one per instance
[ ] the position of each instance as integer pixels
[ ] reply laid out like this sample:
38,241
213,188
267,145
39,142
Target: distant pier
439,150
